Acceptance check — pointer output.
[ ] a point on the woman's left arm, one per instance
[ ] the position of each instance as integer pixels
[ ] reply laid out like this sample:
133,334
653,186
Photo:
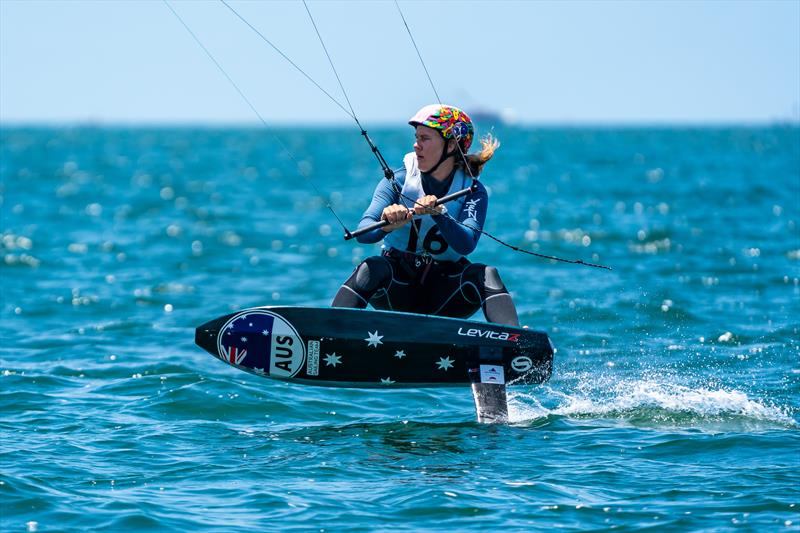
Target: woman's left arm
463,238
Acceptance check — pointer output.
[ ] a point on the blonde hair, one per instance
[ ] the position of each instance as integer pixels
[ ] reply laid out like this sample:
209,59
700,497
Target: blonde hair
489,144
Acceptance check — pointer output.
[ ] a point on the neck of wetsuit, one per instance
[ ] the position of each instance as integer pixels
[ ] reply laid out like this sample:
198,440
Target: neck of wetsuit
443,158
433,186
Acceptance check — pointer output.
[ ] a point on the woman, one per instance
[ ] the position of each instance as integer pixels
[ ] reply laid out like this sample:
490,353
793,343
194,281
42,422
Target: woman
423,268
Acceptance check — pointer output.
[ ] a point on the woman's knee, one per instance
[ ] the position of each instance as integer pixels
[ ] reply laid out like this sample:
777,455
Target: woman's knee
371,274
492,279
486,278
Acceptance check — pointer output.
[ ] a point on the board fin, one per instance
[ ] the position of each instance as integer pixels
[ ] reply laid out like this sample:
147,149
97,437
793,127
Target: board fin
489,393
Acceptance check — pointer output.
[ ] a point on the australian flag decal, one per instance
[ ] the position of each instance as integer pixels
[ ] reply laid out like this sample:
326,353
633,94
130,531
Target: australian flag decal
247,341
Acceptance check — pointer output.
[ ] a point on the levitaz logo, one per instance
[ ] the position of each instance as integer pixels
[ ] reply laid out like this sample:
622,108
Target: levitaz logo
489,334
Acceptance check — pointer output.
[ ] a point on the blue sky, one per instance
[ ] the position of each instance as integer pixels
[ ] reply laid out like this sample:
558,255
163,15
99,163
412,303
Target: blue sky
550,62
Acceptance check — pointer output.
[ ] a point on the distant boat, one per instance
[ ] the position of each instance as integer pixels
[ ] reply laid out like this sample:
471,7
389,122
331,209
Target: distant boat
485,117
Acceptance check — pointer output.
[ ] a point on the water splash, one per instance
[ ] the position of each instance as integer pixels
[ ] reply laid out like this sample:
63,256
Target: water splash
652,402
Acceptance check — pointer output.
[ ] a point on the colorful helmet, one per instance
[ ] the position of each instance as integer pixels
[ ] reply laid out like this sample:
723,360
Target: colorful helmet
450,121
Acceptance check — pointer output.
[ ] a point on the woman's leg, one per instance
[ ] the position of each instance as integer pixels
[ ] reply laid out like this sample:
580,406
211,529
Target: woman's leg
461,294
373,274
383,282
498,306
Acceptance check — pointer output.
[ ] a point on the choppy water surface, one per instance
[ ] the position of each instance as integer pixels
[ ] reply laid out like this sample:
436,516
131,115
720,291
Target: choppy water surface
675,401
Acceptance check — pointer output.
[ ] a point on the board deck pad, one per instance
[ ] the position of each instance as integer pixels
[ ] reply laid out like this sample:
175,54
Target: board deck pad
366,348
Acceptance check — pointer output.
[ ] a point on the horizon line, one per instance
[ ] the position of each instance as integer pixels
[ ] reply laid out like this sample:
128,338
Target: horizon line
335,124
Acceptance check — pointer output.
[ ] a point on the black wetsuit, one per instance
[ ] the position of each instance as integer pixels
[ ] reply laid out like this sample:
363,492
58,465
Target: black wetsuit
398,281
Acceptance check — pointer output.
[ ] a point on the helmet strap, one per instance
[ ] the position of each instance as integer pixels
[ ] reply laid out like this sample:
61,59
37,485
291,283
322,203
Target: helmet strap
444,157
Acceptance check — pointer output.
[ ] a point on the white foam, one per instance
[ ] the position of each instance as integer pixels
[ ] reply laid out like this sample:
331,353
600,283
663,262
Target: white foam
603,397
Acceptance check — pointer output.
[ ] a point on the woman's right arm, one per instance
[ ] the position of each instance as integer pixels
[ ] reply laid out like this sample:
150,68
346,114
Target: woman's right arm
383,197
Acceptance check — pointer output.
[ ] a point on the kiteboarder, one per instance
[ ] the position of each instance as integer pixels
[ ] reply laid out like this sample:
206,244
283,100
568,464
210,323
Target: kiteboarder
424,266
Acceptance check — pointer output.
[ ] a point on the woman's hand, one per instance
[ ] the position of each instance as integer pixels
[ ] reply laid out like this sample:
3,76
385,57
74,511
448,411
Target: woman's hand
397,216
427,206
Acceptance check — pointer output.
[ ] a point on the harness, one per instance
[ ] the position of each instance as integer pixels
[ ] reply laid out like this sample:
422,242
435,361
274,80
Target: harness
417,266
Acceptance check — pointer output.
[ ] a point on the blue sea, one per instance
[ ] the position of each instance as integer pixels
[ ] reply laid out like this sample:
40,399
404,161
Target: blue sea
674,403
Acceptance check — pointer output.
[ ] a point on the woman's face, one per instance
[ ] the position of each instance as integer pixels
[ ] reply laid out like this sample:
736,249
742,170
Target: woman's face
428,147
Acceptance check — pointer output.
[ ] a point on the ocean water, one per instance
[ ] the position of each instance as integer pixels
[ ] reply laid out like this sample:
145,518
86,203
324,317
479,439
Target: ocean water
674,403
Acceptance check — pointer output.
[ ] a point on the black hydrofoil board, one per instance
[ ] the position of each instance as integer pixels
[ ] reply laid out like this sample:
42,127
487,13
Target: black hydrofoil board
366,348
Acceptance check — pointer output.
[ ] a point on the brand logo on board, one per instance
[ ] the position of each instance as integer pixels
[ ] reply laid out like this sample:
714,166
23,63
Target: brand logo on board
492,374
489,334
521,363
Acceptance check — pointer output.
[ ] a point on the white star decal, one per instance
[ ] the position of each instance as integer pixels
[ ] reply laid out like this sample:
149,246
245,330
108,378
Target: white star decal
445,363
265,332
331,359
244,339
386,381
374,339
399,354
258,370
